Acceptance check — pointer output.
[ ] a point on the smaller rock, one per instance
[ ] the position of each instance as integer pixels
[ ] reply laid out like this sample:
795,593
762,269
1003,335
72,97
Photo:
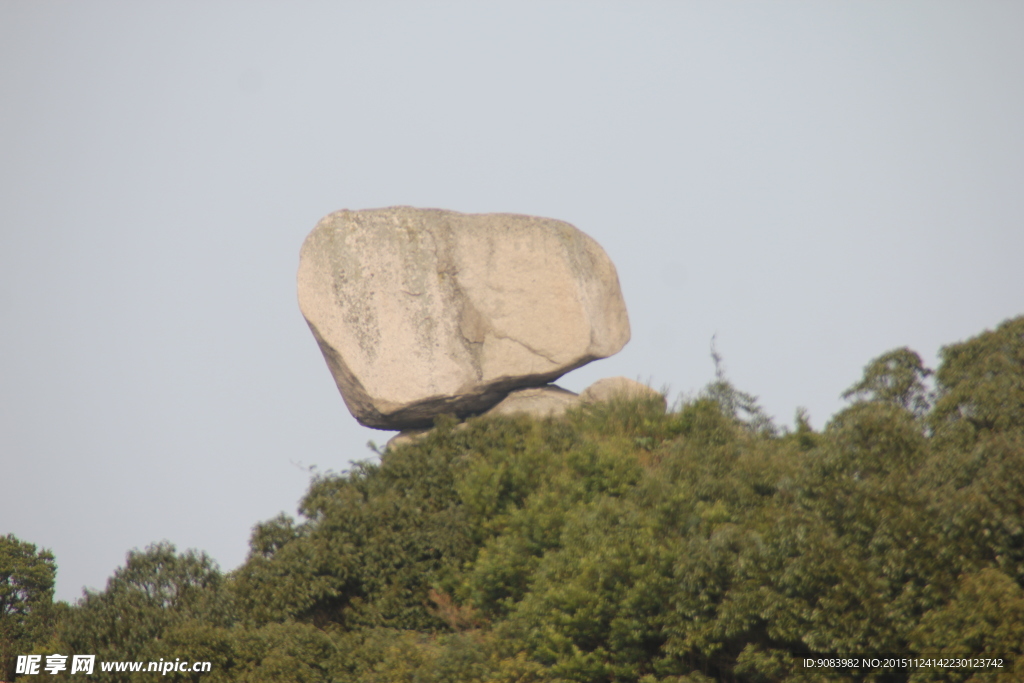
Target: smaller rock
612,388
549,400
407,437
545,401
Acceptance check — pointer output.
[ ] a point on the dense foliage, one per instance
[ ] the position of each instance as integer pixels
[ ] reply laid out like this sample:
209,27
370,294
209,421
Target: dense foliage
624,543
27,612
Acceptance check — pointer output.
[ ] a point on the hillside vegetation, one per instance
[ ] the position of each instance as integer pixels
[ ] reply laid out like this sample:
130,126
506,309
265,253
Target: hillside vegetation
625,544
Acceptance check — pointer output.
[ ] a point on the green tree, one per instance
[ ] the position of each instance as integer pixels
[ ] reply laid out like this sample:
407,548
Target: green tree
977,503
157,589
373,544
981,384
985,618
896,377
26,600
735,403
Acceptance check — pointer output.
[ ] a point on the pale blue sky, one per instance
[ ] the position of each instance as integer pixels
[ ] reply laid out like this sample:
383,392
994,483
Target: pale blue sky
815,183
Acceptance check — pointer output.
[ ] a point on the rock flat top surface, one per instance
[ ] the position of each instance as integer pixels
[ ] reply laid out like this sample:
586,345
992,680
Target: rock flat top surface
420,312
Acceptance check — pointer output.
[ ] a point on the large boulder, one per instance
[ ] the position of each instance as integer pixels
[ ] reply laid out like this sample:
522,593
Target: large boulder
420,312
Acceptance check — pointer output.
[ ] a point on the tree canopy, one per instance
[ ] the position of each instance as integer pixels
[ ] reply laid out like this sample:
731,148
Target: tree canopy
26,599
623,543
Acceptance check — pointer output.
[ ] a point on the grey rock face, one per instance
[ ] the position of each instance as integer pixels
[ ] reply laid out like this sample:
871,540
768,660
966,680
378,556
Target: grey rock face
420,312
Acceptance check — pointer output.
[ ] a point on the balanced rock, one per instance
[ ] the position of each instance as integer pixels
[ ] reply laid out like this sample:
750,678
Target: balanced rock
421,312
